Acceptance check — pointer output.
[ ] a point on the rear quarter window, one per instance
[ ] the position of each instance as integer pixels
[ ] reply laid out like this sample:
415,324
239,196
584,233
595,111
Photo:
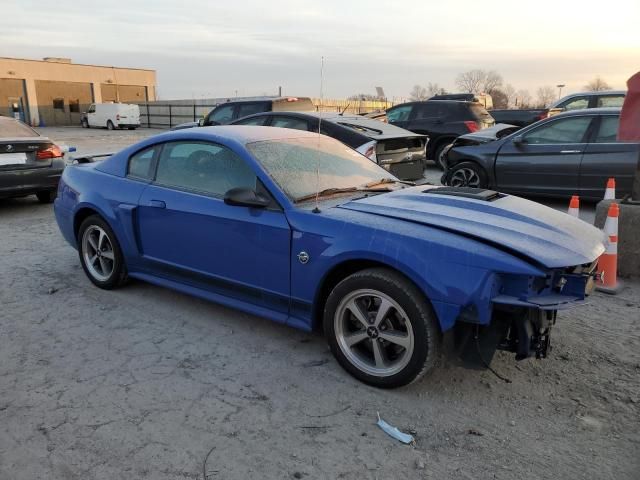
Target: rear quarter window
141,164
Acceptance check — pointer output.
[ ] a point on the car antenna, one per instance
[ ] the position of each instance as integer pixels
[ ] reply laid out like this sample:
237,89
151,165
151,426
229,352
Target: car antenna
317,208
345,109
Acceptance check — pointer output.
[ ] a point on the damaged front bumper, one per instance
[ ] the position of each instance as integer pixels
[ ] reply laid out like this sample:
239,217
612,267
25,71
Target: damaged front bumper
524,308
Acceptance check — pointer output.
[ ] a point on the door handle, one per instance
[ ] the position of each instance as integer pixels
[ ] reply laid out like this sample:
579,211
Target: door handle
157,204
569,151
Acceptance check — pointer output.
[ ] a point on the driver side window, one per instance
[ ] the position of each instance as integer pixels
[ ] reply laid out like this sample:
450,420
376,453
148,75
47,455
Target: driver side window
399,114
203,168
221,115
566,130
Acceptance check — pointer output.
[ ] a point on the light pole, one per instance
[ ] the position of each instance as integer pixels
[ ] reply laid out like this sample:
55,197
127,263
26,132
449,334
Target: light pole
560,87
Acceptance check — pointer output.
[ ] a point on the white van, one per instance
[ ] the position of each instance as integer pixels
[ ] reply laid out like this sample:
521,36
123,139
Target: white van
111,115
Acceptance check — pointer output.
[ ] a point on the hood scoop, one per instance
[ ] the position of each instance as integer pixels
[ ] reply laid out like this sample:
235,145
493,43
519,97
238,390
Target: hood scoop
466,192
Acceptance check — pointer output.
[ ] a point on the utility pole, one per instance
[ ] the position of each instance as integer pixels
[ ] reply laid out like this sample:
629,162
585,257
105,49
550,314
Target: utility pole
560,87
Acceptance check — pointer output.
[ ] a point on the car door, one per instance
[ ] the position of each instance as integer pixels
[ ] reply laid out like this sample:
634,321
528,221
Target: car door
545,159
187,232
605,157
91,115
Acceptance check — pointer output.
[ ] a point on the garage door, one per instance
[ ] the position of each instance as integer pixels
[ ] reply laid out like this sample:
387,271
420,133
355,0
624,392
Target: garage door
61,103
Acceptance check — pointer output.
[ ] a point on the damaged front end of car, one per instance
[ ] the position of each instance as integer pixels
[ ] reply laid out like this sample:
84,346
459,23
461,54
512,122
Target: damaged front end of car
524,310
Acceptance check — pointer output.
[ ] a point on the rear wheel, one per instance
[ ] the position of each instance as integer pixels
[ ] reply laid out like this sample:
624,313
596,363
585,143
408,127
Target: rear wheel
46,196
110,125
467,174
100,254
381,328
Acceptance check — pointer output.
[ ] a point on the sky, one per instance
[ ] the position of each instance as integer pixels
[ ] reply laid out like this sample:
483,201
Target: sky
250,47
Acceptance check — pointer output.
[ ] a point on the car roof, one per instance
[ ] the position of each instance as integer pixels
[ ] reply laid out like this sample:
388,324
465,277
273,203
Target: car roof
430,102
588,111
252,133
385,129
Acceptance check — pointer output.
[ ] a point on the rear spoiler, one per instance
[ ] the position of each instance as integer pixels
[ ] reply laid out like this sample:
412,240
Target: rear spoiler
88,158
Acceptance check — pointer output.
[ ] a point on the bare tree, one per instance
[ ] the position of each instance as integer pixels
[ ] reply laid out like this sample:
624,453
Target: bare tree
510,92
470,81
597,85
500,99
523,99
434,89
478,81
546,95
418,92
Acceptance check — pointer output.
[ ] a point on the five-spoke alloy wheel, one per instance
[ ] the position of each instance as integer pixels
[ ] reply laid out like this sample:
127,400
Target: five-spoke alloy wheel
100,253
381,328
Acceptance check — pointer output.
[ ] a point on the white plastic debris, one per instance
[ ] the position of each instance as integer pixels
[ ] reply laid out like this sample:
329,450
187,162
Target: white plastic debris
394,432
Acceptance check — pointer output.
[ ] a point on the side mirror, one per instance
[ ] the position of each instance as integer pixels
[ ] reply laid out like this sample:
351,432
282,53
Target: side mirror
518,141
201,122
245,197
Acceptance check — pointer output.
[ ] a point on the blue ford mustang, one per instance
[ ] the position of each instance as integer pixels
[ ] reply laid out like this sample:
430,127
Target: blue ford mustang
299,228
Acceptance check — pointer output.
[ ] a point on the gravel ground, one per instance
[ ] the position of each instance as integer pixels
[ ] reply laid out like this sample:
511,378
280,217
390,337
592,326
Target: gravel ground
143,382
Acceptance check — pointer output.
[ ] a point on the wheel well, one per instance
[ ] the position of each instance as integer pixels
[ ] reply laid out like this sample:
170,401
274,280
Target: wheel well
439,142
335,276
80,217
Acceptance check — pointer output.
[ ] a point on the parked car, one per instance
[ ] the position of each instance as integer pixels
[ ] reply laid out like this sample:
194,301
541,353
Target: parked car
579,101
29,163
441,120
576,101
572,153
519,117
480,137
299,228
111,116
226,113
398,151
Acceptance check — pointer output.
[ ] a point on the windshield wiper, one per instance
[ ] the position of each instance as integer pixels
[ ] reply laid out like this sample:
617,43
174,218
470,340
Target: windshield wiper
333,191
383,181
326,191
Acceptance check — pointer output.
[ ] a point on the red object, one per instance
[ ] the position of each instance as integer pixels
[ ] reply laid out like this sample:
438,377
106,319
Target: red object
52,152
472,126
611,183
629,130
575,202
543,115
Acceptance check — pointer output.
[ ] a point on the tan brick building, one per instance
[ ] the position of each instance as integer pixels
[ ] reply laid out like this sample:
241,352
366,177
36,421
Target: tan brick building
55,91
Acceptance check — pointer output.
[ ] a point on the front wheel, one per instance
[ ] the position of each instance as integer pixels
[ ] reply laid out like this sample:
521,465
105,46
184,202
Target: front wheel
100,254
467,174
381,328
110,125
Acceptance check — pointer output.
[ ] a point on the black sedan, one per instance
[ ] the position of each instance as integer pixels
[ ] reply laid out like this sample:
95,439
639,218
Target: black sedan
29,163
573,153
398,151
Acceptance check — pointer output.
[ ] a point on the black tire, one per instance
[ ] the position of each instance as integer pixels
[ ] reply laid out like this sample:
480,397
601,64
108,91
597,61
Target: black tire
46,196
437,157
118,275
467,174
84,124
427,337
110,125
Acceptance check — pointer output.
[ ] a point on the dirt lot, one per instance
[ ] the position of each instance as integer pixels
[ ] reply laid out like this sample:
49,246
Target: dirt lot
144,382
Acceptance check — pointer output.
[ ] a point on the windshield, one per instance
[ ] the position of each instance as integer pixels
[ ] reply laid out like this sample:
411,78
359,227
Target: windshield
10,128
292,163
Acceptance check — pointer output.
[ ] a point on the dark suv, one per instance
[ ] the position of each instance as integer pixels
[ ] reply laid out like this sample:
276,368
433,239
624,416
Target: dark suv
442,120
228,112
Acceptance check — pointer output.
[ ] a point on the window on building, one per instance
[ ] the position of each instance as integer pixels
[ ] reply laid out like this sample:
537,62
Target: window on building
74,106
58,103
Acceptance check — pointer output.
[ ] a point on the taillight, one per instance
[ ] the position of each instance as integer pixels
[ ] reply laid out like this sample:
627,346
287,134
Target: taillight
472,126
542,116
52,152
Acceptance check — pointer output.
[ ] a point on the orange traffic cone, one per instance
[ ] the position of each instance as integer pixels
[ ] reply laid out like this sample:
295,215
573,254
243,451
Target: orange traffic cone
574,206
608,261
610,192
